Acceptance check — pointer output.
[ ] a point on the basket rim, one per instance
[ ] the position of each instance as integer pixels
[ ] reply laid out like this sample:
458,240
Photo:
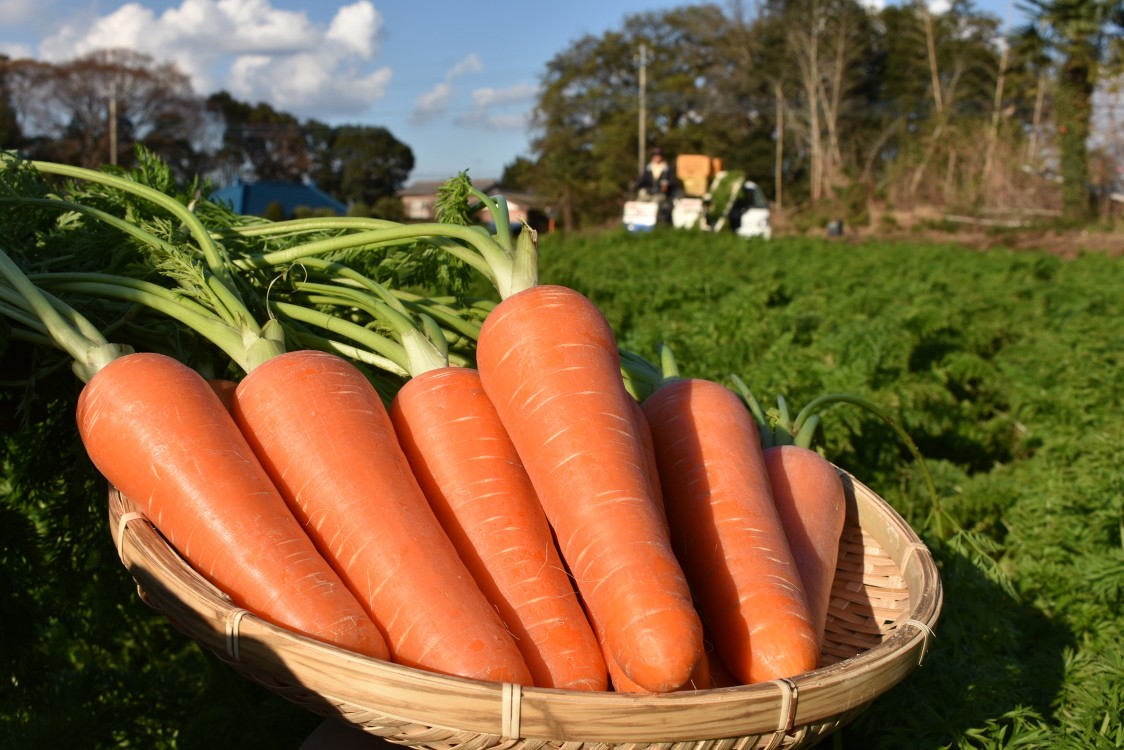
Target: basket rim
287,660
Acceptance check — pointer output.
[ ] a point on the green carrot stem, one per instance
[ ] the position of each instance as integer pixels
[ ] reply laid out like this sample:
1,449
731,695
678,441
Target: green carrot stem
88,351
421,353
490,259
291,227
807,432
484,245
497,207
668,365
359,354
13,307
817,404
447,317
60,279
390,355
230,340
340,273
755,409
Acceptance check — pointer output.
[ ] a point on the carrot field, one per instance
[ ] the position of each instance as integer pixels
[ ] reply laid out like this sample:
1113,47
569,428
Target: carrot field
1003,367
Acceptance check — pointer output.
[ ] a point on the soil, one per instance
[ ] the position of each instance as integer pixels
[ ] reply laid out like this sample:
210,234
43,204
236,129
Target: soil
986,235
1065,244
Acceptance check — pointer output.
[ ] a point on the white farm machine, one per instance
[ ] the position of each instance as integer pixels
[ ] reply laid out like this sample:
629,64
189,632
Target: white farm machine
708,199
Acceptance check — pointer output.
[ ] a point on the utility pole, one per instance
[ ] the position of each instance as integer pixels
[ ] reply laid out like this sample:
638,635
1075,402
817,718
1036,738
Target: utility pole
113,129
643,107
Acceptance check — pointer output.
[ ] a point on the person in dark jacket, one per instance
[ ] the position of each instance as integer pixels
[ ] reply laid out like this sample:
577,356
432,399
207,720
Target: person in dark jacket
658,177
658,182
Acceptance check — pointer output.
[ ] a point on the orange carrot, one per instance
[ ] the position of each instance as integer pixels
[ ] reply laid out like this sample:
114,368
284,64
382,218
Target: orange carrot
477,486
325,437
809,498
700,678
727,532
549,362
155,429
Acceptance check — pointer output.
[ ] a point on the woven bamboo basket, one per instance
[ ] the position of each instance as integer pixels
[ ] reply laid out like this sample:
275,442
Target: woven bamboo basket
885,602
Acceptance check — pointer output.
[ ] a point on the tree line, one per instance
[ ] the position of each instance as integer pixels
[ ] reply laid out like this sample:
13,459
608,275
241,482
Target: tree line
96,109
832,106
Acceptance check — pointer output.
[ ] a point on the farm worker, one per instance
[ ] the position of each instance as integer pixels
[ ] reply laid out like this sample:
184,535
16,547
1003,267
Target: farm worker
658,177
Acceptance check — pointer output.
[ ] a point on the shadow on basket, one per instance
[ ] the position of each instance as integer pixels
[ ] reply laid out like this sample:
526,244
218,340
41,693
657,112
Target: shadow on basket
886,598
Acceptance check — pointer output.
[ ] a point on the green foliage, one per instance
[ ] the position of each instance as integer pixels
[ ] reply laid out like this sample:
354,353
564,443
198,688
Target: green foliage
1084,36
363,163
1004,368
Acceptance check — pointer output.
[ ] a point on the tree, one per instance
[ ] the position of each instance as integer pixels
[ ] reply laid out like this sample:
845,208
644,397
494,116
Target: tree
258,142
361,164
963,65
521,176
823,61
742,116
587,117
93,109
10,134
1084,36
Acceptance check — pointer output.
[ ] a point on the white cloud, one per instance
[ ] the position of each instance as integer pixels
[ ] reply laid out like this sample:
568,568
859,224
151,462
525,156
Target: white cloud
471,64
15,51
310,84
435,102
432,104
518,94
486,100
255,50
357,28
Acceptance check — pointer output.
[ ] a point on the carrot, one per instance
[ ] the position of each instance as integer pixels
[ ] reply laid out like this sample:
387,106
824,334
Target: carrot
325,437
468,468
700,678
809,498
549,362
158,432
808,491
727,532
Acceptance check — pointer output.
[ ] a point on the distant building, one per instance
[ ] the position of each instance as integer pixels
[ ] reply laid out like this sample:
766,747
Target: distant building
419,201
255,198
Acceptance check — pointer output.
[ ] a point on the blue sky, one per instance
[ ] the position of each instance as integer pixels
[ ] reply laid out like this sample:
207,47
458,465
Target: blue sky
454,81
